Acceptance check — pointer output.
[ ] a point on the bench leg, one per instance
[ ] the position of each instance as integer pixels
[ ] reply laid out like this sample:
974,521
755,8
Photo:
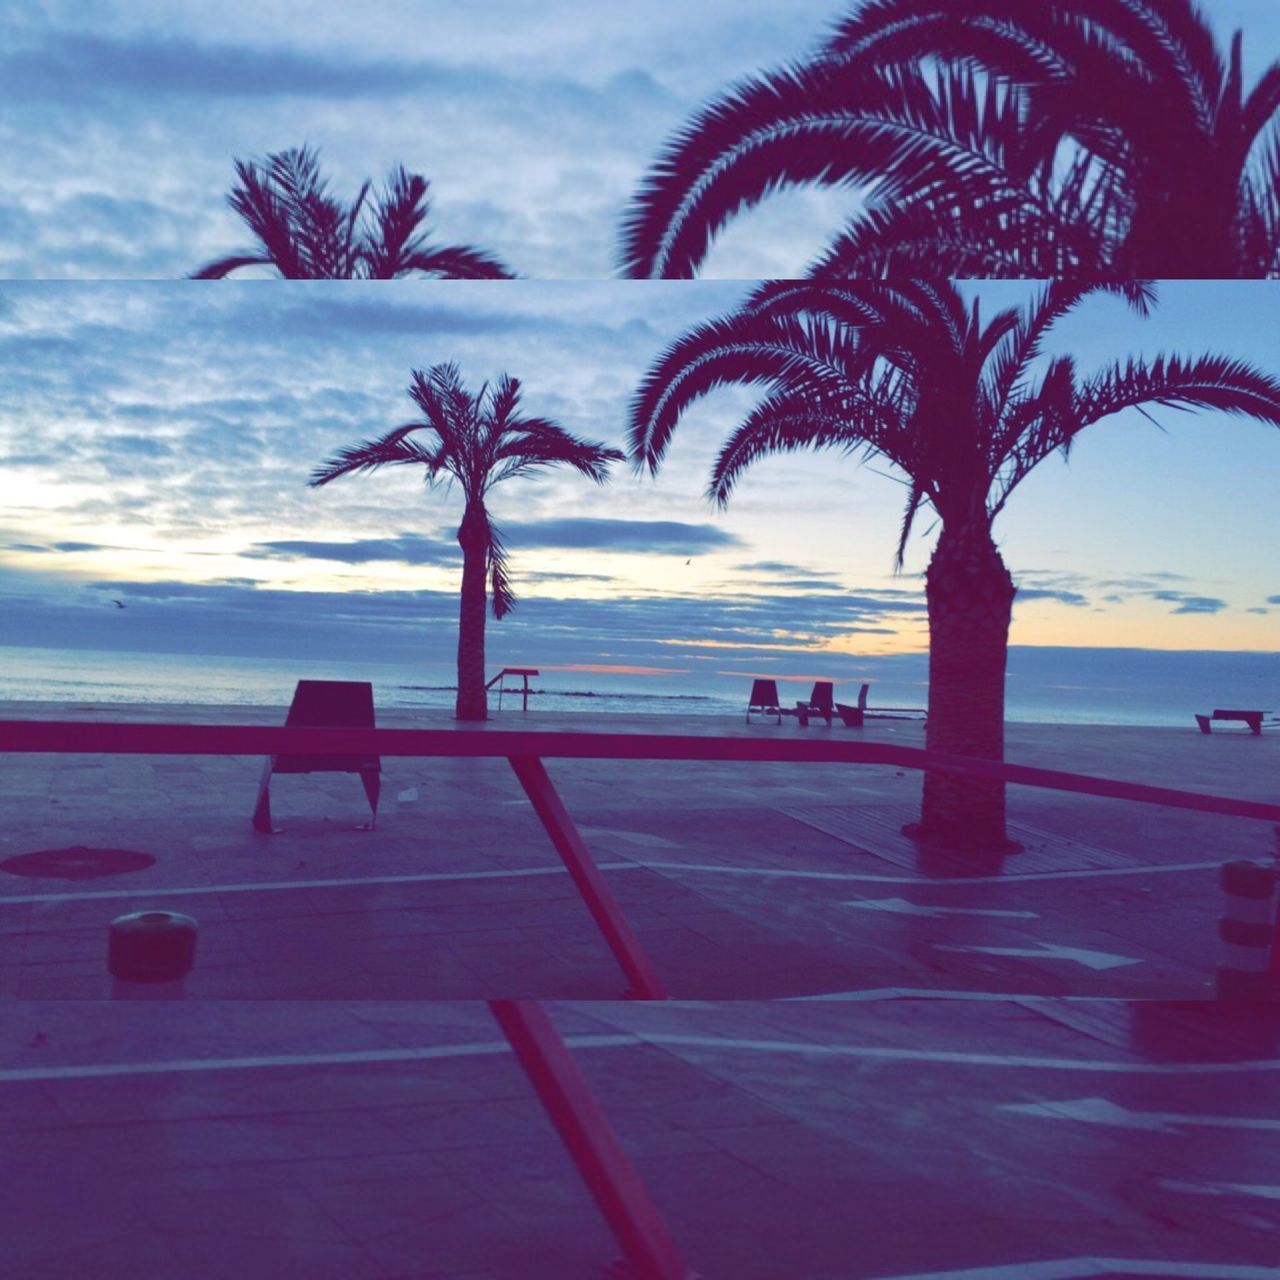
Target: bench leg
372,779
262,810
1203,722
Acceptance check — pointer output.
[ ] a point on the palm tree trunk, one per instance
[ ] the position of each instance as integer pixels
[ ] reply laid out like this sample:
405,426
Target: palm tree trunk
473,536
970,597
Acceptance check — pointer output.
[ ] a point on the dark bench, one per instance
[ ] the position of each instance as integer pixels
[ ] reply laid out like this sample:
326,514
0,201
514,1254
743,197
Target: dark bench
1252,718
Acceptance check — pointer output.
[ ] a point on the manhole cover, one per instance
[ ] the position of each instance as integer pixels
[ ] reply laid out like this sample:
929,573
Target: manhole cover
78,862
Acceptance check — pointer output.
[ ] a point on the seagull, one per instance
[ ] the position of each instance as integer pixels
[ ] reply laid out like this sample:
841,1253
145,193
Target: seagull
119,604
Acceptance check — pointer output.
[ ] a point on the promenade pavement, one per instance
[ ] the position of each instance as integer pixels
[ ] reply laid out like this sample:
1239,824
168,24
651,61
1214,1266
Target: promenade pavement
1028,1139
741,881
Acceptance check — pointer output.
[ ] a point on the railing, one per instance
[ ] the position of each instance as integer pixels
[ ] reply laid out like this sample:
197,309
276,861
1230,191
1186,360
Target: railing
526,751
501,681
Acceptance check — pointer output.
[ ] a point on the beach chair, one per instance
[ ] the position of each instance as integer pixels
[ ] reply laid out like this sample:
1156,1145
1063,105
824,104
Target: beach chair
764,699
330,704
1252,718
821,703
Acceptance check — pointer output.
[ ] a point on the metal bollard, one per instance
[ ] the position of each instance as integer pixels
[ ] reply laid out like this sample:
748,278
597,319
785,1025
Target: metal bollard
149,955
1246,930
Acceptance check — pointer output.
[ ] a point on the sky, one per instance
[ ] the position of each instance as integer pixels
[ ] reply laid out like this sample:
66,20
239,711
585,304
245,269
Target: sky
155,442
120,119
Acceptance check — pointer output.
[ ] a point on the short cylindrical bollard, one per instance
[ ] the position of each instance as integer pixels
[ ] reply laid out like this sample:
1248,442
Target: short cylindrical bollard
149,955
1246,931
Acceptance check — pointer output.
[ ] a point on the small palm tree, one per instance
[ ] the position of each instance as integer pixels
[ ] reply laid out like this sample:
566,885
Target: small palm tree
1093,138
307,234
479,441
965,410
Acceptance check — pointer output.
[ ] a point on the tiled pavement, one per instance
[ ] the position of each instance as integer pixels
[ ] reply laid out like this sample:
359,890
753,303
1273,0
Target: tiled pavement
459,894
815,1142
319,1109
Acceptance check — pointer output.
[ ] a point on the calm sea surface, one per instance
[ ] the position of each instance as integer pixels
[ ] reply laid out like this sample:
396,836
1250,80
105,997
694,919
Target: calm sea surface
1067,686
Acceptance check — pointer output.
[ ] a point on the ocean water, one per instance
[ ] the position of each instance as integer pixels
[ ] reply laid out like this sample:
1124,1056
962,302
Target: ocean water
1056,686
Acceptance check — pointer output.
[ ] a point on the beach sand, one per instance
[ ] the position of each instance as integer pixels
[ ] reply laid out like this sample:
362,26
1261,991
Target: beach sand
745,881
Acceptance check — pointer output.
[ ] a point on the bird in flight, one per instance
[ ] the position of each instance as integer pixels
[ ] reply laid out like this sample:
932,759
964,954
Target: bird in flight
119,604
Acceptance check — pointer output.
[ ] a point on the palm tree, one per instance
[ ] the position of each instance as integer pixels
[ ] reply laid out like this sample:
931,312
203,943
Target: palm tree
307,234
1096,138
964,409
478,440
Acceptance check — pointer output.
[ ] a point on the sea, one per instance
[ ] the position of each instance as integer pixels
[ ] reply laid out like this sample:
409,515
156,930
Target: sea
1045,685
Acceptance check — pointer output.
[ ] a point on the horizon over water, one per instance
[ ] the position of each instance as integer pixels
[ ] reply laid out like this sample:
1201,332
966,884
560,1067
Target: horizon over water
1044,685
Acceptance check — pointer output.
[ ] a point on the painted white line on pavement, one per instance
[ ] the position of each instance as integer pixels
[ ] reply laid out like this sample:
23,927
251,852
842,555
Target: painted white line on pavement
1048,951
1104,1111
267,886
942,993
628,1039
885,1054
1223,1189
97,1070
901,907
858,877
1080,1268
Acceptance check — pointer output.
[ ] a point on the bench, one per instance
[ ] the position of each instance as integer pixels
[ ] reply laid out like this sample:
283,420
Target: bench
1252,718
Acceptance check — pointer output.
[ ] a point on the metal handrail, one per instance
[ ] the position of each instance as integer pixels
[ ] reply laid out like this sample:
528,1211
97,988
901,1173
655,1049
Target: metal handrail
526,751
97,737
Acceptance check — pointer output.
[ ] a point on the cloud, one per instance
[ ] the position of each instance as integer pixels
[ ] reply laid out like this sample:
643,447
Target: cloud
407,548
1188,603
1044,593
781,566
806,584
662,537
70,64
243,618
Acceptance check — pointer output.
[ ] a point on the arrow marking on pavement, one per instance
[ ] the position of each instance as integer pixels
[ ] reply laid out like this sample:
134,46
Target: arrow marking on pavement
1051,951
1103,1111
900,906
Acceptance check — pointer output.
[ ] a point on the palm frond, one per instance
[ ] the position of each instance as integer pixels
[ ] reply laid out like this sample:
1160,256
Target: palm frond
220,268
738,349
502,597
308,234
788,421
393,449
457,262
1207,382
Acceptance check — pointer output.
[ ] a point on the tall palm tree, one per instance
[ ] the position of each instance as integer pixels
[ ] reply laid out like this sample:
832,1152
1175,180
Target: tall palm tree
478,440
307,234
1097,138
965,409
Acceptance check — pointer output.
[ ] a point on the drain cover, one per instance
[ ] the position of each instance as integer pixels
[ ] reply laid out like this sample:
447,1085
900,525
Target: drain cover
78,862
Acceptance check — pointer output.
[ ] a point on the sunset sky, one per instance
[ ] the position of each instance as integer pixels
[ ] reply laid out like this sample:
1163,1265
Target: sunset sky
121,119
155,445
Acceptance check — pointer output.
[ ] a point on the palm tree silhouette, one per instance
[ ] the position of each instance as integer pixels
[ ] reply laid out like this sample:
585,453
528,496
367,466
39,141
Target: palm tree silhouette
307,234
1093,138
965,410
478,440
